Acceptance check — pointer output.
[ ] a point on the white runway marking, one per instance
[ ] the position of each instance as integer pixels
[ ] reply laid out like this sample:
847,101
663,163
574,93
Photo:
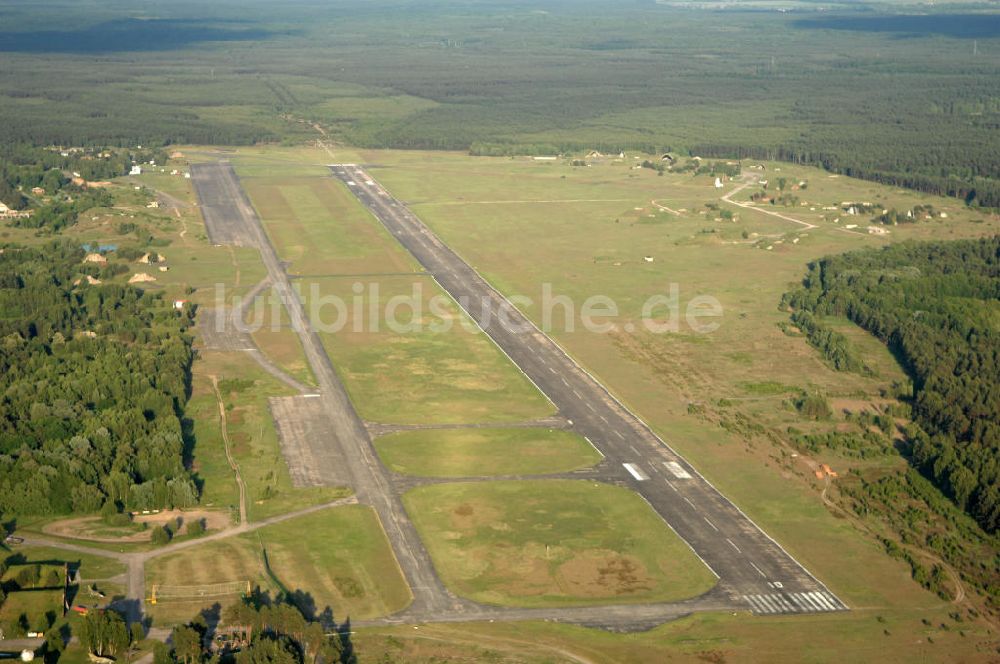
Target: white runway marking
670,484
812,602
677,470
822,599
771,608
686,500
635,472
758,570
714,527
734,546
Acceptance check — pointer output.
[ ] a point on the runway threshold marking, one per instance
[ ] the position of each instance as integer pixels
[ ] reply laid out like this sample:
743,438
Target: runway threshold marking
635,472
677,469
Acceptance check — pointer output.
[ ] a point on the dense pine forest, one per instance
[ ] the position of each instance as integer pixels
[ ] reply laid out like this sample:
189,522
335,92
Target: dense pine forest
936,305
94,379
904,97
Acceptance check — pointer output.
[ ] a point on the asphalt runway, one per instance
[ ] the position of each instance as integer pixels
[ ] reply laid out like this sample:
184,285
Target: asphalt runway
307,443
343,430
218,193
336,427
754,571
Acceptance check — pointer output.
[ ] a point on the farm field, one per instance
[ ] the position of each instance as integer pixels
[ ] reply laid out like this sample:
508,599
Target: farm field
481,452
338,556
553,543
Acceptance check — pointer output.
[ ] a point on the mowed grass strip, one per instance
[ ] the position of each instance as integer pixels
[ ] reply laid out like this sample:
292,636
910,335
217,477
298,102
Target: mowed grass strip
479,452
321,228
342,558
415,371
546,543
234,559
221,561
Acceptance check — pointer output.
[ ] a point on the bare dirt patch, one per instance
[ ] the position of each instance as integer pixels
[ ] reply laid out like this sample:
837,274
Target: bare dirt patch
603,574
94,529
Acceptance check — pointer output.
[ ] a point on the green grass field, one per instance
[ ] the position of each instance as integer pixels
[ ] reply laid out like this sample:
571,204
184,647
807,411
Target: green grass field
271,330
321,229
255,441
45,574
41,608
230,560
896,637
342,558
459,375
476,452
90,566
553,543
586,231
339,556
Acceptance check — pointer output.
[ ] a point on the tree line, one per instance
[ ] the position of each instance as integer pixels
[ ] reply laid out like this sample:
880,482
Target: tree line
262,630
933,304
93,384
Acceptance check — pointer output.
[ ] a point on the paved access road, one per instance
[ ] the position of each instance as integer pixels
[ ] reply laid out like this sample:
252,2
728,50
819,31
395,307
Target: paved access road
753,570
